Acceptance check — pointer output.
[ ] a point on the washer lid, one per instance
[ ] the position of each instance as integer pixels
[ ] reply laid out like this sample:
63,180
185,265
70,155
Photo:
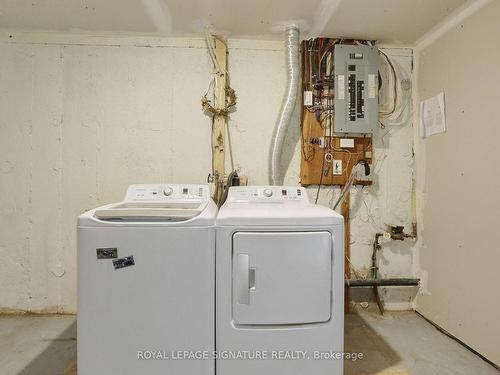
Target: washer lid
157,204
150,211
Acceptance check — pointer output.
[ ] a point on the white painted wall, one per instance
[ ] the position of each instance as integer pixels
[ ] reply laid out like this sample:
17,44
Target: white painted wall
459,183
83,117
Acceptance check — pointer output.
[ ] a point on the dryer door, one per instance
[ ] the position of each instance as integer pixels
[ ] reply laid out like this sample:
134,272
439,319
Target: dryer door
282,277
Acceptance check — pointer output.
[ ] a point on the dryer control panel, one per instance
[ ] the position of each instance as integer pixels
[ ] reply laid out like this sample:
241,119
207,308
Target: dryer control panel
277,194
167,192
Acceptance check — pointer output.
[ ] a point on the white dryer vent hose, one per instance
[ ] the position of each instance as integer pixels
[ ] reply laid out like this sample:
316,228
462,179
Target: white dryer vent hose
288,104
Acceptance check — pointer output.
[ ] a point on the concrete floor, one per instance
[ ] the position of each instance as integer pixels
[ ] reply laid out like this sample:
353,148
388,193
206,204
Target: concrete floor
398,343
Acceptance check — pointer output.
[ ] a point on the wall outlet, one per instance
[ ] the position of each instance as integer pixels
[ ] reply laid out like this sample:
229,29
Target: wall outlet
337,167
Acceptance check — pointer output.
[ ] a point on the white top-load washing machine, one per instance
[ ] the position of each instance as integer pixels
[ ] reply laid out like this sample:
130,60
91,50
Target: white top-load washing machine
280,284
146,283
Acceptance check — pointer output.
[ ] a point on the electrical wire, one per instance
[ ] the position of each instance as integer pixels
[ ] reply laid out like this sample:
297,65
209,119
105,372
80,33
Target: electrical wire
400,96
322,172
348,185
395,87
209,39
230,179
354,270
230,145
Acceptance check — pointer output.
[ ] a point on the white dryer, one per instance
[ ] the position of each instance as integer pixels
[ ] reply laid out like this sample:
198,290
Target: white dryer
280,284
146,275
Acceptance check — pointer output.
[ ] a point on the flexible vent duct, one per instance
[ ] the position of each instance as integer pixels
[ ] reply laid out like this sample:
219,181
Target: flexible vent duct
292,66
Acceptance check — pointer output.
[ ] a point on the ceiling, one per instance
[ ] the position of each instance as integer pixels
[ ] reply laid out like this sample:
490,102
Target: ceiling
389,21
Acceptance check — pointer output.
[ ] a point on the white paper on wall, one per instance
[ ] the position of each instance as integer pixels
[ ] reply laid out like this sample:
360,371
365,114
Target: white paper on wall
432,116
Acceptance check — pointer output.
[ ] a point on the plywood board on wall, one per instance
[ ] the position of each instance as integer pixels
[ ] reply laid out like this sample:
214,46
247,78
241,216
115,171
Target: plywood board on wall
317,161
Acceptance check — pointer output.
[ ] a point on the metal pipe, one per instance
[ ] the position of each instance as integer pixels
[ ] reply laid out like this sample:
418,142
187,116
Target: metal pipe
376,248
363,283
288,104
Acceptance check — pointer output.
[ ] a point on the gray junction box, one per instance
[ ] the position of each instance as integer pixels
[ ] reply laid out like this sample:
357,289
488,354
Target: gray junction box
356,88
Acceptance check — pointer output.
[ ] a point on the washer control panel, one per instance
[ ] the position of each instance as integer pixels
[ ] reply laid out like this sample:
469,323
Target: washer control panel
276,194
167,192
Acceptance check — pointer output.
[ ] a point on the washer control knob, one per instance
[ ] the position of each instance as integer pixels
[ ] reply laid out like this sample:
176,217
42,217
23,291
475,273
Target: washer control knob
168,191
268,193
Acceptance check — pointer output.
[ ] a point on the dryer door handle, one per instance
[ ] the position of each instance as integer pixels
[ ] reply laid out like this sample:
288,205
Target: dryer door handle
243,279
332,249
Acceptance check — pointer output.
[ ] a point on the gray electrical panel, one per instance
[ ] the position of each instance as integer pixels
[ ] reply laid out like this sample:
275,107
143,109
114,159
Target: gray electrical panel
356,88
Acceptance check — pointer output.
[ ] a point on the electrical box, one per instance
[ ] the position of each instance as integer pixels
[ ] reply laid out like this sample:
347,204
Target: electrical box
356,88
331,151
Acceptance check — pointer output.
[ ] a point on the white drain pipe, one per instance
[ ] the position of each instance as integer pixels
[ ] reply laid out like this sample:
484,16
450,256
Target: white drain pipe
288,104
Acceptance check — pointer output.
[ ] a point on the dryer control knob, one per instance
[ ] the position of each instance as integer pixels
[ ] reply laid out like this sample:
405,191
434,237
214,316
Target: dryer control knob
268,192
168,191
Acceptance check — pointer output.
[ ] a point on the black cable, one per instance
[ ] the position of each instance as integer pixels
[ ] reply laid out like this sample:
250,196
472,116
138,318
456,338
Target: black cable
232,176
